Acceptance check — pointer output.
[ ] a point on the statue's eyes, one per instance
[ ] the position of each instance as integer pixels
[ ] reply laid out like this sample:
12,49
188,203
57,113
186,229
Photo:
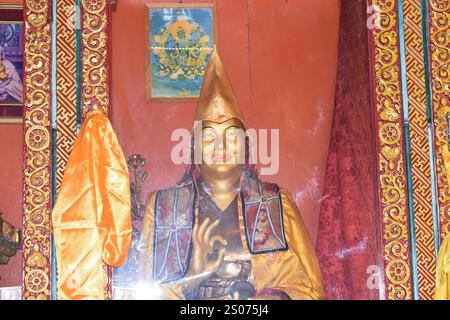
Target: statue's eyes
232,133
208,135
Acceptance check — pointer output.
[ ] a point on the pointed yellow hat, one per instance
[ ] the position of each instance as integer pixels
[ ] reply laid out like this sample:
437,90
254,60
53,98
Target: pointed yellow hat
217,100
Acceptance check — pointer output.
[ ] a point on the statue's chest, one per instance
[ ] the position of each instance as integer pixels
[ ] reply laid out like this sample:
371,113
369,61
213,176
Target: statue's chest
258,208
228,227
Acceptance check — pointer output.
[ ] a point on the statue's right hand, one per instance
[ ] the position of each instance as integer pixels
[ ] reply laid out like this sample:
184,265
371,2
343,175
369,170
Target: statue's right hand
202,264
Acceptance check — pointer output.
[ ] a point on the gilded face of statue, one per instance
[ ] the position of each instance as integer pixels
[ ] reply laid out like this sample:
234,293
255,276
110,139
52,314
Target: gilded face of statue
223,147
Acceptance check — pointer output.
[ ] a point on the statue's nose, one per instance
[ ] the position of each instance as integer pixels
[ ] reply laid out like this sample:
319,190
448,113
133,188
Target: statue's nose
220,144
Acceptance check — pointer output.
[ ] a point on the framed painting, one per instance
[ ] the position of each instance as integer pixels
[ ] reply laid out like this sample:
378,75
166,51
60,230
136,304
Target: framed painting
11,63
180,39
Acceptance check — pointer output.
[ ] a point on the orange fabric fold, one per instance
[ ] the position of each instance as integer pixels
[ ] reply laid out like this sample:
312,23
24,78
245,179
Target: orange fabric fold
92,215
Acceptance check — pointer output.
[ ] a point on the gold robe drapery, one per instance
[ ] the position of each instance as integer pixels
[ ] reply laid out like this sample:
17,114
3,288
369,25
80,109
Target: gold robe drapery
92,215
295,271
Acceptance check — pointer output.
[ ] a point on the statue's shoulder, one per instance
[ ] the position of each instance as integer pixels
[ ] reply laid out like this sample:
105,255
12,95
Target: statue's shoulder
286,196
179,191
269,186
152,197
253,188
272,191
179,199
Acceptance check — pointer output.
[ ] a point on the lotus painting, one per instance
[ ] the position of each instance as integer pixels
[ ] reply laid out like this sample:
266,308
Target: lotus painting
181,38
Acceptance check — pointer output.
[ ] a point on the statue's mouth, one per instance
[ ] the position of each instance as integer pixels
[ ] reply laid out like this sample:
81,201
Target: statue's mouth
223,158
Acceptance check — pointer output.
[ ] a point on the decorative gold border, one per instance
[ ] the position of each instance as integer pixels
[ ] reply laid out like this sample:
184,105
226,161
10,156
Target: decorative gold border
390,156
95,60
95,71
148,86
66,84
439,43
37,152
420,149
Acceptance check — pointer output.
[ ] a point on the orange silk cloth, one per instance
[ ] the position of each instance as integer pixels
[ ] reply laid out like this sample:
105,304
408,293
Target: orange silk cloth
92,215
443,271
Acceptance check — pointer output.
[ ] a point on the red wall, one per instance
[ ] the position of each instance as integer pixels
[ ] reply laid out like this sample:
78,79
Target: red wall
281,57
11,194
11,190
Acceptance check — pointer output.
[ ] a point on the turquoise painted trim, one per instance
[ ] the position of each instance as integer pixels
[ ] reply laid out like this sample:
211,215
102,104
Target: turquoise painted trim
54,137
408,150
78,59
54,278
430,119
54,64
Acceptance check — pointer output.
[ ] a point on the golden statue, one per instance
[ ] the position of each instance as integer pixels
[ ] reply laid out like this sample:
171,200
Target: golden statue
222,233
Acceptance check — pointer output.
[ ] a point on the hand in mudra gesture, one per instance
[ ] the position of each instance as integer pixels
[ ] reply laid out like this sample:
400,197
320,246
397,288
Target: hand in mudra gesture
204,261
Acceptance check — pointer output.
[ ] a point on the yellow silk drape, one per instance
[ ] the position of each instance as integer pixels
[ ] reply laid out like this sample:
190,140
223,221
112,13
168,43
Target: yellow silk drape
443,271
92,215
